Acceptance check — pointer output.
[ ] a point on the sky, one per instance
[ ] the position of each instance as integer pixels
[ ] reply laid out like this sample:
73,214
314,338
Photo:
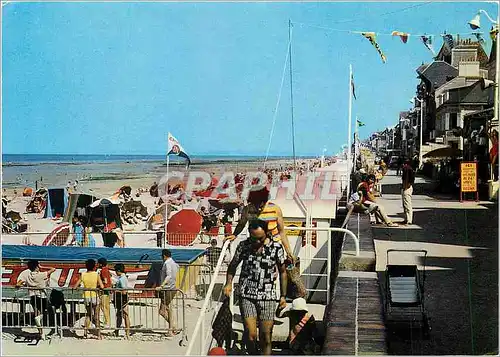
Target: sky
115,78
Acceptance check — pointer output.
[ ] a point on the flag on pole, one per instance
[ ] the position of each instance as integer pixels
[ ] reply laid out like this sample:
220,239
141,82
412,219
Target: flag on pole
360,123
175,148
372,37
352,86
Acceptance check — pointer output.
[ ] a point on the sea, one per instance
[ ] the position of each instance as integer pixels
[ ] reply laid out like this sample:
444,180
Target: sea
56,170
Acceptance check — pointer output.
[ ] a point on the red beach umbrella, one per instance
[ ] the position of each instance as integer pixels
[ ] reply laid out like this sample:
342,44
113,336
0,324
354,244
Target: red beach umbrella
183,227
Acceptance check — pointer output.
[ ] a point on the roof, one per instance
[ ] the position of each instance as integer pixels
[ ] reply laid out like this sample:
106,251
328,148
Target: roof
437,73
479,113
482,57
80,254
422,67
458,82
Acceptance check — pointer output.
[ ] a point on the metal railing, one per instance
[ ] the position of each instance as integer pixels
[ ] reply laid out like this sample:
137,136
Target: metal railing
200,324
70,313
152,238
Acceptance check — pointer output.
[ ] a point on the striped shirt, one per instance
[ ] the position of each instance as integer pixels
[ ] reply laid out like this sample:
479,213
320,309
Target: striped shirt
268,214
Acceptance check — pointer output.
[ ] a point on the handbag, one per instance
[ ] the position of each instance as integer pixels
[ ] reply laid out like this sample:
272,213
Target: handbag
223,325
295,287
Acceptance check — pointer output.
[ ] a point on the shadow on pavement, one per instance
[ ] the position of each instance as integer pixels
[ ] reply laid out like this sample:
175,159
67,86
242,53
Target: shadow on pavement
462,300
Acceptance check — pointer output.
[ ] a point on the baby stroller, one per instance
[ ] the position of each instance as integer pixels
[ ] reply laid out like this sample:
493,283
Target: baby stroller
404,291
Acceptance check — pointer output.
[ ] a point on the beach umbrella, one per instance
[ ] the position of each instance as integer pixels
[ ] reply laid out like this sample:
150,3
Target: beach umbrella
183,227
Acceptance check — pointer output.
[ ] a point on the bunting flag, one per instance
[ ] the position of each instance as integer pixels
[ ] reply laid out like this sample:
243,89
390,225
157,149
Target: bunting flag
479,38
448,40
373,40
494,33
352,86
175,148
427,40
360,123
403,35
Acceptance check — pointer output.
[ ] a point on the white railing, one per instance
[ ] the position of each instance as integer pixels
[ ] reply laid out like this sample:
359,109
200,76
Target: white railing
200,324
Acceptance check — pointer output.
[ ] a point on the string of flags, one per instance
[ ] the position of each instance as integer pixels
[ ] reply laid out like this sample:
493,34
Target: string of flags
372,37
426,39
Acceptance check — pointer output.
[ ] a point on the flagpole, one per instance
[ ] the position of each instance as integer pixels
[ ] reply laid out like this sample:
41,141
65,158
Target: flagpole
356,139
349,161
166,197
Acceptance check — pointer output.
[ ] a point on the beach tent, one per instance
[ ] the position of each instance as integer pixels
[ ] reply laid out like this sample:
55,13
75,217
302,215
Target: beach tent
78,205
57,202
105,215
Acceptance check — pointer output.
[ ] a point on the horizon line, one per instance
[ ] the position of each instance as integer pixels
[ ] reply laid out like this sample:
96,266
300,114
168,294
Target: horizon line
143,154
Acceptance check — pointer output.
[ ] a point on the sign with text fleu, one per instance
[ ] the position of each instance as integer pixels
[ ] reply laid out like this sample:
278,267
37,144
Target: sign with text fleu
468,176
67,275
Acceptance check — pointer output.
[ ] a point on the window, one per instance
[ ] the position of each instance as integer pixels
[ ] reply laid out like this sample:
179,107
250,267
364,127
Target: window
453,120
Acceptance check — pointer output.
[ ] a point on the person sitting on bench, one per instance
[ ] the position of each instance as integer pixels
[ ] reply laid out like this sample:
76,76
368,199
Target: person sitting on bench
368,201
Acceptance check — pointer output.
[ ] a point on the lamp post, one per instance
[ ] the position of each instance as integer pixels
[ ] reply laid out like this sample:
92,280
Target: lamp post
475,24
420,156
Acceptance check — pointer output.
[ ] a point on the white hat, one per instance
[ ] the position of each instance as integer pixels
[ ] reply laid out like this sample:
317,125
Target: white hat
298,304
362,171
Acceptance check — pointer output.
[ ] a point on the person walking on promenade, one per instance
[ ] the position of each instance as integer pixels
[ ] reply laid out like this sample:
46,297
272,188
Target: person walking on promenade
121,300
368,200
37,280
400,165
105,276
259,207
260,255
91,280
168,289
408,179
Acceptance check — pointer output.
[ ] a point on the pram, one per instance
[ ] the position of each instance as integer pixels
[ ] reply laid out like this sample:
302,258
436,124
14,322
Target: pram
404,285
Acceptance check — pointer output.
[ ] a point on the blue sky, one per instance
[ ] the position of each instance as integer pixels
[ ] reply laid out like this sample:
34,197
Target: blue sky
116,77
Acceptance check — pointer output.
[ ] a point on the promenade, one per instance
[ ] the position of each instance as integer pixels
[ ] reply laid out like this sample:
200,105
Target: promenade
461,285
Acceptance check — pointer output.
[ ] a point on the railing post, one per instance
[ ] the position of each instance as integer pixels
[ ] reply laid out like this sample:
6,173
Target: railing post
329,267
202,336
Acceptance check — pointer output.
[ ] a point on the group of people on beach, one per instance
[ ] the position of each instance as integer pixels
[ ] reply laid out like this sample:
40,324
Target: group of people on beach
99,286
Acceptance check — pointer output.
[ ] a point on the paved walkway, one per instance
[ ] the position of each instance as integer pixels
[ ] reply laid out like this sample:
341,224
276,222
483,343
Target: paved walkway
461,286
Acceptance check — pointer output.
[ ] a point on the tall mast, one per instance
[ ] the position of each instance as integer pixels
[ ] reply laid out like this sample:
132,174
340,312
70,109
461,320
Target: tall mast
291,91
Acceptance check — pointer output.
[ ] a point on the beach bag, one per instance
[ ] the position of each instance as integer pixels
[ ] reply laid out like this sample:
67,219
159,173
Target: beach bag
295,287
222,326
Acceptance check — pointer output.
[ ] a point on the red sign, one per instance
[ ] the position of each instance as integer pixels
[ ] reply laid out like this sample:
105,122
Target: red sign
67,275
314,237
